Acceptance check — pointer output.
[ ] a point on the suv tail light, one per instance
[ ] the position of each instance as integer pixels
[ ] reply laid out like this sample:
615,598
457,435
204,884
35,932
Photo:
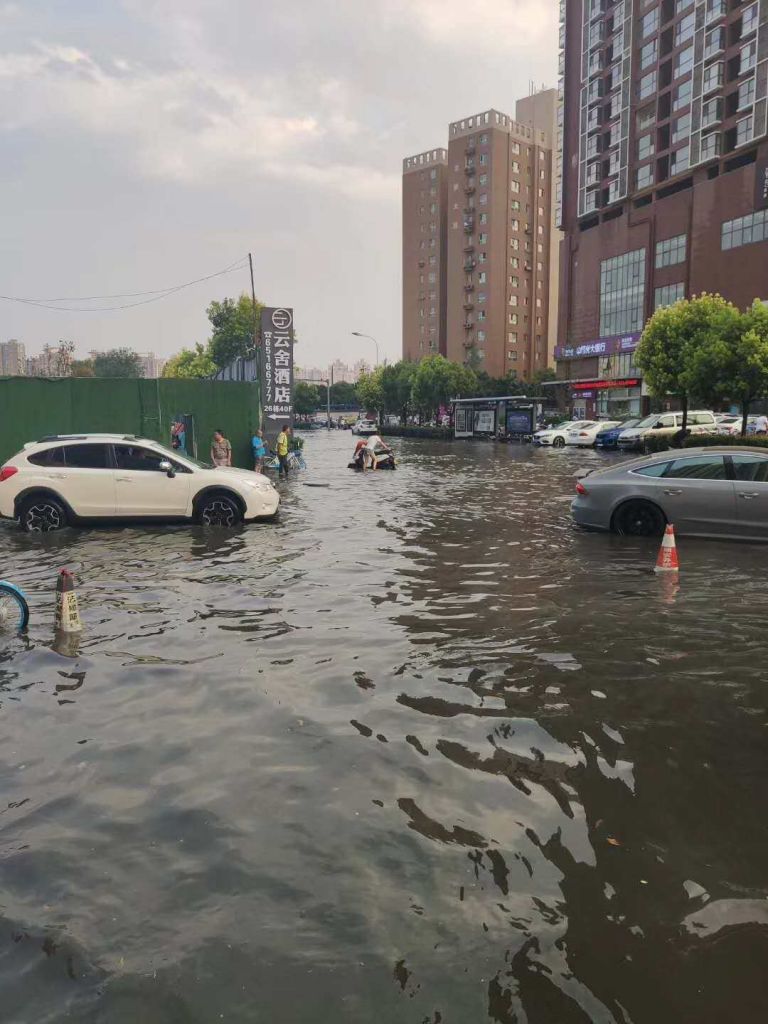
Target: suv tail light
6,472
580,488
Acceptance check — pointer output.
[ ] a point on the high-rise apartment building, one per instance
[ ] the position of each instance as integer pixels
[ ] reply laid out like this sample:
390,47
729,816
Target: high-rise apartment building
486,294
664,175
424,253
13,359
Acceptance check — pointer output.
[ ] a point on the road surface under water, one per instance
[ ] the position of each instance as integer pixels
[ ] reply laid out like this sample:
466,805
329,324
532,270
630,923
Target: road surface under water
420,752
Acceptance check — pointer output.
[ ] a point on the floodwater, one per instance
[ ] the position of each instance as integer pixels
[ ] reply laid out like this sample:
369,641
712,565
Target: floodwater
420,753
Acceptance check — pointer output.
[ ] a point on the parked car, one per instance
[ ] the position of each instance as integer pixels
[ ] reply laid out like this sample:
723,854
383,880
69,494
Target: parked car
607,438
707,492
732,425
585,434
666,425
365,427
554,436
66,479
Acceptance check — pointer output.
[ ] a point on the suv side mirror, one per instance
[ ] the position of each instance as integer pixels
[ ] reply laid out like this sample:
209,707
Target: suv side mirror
167,468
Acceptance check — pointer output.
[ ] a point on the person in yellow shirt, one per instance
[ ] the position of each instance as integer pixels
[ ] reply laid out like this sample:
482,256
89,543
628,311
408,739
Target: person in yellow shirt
283,439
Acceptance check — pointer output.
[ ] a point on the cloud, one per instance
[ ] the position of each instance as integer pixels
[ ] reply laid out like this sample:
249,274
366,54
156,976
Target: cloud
486,24
186,127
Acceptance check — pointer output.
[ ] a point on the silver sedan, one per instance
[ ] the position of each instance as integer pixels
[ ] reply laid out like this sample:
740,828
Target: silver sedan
706,492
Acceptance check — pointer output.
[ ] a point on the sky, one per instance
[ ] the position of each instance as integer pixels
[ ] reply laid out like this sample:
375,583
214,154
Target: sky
147,143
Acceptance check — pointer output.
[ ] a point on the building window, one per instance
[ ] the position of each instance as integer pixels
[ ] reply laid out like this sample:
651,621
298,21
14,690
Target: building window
681,128
649,22
745,230
622,283
516,148
747,93
432,260
648,54
481,277
749,20
481,297
647,85
682,95
481,335
483,218
711,112
645,147
645,176
670,252
482,315
744,130
669,294
483,159
513,300
711,145
483,199
684,29
716,9
513,318
432,278
514,186
713,76
512,338
514,243
514,224
646,117
482,238
433,174
516,167
514,262
482,257
684,62
747,56
680,160
483,179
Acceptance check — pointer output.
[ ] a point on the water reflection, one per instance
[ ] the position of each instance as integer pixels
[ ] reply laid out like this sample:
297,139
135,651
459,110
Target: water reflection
420,752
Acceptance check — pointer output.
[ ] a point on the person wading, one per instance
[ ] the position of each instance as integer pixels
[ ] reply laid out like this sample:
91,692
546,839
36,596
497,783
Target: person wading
282,450
259,451
221,449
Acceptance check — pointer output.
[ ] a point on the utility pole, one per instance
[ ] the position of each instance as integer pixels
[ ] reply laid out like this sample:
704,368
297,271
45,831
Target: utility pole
256,340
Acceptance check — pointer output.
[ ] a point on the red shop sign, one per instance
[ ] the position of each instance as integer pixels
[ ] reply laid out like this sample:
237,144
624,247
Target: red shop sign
601,385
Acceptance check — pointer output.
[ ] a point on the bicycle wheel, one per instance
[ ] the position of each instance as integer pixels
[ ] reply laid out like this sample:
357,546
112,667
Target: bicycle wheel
14,610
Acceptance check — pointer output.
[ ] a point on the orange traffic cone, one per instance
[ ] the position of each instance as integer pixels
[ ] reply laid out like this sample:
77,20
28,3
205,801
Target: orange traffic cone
667,560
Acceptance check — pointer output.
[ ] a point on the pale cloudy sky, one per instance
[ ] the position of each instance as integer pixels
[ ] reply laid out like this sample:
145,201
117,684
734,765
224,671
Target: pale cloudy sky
148,142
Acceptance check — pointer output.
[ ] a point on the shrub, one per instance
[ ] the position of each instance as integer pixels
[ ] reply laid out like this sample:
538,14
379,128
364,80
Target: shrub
723,440
656,444
436,433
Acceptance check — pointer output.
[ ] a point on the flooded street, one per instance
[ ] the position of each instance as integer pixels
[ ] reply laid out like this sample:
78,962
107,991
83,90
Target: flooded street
419,753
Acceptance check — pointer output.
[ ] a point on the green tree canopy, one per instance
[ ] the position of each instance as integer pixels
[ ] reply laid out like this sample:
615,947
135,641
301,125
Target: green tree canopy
749,369
82,368
306,398
343,393
682,343
397,387
436,381
191,363
232,336
370,391
118,362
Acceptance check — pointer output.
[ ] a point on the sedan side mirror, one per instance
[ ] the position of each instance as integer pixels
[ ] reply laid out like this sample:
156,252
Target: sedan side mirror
167,468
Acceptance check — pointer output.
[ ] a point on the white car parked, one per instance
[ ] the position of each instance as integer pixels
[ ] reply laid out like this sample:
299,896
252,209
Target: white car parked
585,434
67,479
554,436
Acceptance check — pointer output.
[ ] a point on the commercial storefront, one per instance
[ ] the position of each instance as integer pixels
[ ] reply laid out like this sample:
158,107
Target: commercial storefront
598,379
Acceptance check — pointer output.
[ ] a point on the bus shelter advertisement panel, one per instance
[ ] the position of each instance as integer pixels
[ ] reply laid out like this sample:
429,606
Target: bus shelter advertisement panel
276,369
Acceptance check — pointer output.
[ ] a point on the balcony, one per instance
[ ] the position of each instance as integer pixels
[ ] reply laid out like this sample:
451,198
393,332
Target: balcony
470,149
468,343
469,190
469,265
469,247
469,287
468,325
422,263
469,226
469,306
468,211
469,167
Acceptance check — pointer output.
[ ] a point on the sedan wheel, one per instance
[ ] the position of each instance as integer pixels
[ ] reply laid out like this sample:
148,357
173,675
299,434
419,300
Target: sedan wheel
42,515
219,511
558,442
639,519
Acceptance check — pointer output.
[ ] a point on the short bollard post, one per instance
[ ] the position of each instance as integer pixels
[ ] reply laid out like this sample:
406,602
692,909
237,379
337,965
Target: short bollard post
67,613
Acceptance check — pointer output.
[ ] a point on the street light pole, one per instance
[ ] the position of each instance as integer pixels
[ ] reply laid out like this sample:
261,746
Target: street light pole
359,334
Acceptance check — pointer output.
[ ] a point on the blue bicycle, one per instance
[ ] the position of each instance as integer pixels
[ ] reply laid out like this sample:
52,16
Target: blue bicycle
14,610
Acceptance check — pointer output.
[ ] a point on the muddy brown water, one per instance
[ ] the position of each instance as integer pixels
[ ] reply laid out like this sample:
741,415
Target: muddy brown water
420,752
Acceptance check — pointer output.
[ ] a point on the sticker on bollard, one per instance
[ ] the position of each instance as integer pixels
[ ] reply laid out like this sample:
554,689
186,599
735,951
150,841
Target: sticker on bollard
67,613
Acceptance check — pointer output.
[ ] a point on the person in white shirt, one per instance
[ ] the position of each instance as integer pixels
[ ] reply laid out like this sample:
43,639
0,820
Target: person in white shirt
761,424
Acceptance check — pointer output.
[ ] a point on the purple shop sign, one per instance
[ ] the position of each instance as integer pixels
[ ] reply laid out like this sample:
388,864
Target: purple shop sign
602,347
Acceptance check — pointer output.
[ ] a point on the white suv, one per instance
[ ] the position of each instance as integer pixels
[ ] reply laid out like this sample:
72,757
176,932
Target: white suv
73,478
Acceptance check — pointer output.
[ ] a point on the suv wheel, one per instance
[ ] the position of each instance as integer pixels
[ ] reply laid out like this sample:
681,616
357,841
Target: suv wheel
219,510
41,514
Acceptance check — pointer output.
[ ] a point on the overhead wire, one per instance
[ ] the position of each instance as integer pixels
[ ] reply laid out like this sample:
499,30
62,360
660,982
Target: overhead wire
155,295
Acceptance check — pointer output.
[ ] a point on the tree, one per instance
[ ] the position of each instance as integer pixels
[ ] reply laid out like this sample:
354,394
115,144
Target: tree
397,387
751,359
306,398
232,322
343,393
679,342
82,368
370,392
436,381
191,363
118,362
496,387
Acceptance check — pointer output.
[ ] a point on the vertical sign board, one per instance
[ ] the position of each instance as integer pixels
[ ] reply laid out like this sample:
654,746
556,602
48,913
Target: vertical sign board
761,184
276,370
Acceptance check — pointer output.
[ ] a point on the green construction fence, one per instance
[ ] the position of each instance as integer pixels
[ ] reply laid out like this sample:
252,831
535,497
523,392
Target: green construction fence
32,407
